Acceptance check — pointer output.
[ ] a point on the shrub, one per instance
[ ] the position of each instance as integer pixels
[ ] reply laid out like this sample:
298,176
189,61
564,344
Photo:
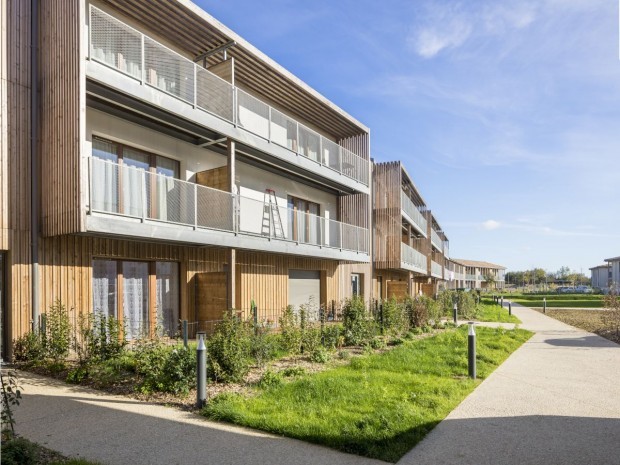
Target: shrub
394,317
418,311
229,350
99,337
58,332
358,328
11,395
332,337
344,355
164,368
19,452
293,371
445,301
290,331
263,346
378,343
466,304
270,379
320,355
28,348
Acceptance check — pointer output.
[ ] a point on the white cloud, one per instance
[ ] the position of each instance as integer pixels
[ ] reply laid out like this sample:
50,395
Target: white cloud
428,42
491,224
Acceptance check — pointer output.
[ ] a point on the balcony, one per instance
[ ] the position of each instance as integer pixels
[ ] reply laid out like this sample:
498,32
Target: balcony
436,270
446,249
161,207
413,214
412,260
436,240
147,64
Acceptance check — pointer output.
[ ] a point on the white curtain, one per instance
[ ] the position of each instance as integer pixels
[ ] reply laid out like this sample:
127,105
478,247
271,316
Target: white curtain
105,176
105,287
167,295
133,191
135,299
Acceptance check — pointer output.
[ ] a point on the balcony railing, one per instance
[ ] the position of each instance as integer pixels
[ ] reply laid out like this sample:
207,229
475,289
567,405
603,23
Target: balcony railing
414,213
127,191
446,249
436,240
470,277
436,269
412,257
119,46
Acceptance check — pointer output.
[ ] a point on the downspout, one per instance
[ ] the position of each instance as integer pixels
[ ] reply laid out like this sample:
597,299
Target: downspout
34,161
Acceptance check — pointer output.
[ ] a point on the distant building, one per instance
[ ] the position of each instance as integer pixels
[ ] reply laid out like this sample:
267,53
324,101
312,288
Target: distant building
482,275
601,276
614,272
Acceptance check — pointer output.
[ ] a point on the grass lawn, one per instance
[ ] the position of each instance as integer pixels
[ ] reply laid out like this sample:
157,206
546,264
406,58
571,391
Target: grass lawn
567,302
378,405
487,311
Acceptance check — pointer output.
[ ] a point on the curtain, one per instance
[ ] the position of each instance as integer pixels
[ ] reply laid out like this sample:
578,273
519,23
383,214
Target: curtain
105,291
167,295
105,176
313,223
135,299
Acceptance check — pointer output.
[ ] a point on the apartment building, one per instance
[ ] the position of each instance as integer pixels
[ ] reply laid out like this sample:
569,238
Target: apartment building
158,167
454,275
601,276
482,275
400,233
438,257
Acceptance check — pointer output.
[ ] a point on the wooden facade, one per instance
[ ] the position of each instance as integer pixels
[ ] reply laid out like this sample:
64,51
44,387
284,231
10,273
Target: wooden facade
387,227
62,101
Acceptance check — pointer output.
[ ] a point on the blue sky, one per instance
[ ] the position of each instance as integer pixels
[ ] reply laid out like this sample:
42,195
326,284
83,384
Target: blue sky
506,114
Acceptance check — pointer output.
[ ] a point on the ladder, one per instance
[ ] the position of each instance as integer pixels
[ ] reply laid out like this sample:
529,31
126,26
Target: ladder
271,215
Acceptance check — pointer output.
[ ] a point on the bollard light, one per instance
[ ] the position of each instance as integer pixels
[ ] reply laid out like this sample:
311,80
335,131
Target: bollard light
201,372
544,305
509,308
502,304
455,313
471,350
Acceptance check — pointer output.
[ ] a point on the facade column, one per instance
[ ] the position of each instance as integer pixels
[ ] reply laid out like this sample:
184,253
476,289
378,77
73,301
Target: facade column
231,255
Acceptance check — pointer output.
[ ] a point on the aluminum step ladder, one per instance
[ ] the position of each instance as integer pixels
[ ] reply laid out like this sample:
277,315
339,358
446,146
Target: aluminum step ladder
272,221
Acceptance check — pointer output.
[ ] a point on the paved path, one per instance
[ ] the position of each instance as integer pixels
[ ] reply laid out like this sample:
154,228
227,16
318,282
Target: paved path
116,430
556,400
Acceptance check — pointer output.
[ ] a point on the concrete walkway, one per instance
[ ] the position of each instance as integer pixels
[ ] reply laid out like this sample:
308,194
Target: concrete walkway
556,400
115,430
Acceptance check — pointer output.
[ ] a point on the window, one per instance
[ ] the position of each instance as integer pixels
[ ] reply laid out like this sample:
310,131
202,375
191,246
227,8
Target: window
304,221
356,284
121,289
118,186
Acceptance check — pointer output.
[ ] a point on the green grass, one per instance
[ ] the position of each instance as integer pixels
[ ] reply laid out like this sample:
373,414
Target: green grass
549,297
565,303
378,405
487,311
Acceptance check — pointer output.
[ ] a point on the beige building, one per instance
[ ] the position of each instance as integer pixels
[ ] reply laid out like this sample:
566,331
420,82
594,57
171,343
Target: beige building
177,171
482,275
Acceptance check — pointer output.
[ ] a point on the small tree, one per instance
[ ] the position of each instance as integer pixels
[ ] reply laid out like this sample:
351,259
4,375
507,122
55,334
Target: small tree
490,280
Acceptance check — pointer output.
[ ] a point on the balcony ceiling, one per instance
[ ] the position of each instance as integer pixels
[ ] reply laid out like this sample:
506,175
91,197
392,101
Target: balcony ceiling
191,29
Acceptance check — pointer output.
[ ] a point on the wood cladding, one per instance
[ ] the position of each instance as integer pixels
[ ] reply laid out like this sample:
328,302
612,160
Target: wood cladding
61,96
4,129
217,178
387,230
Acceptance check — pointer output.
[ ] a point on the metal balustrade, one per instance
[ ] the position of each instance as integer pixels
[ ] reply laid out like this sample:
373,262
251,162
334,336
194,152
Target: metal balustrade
124,190
436,269
413,212
470,277
119,46
412,257
436,240
446,249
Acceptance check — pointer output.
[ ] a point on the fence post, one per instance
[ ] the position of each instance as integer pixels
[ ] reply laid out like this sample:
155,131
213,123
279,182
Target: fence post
333,310
201,371
509,308
322,319
502,301
185,334
381,317
255,317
